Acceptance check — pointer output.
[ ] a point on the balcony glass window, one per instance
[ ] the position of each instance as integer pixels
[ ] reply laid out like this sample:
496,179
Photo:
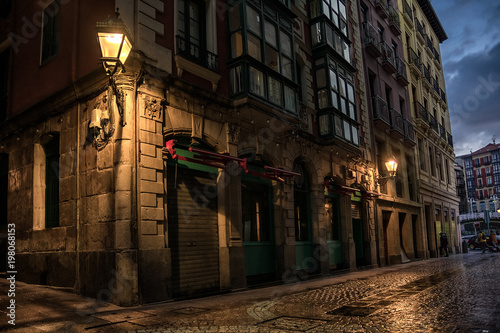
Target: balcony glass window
262,57
336,100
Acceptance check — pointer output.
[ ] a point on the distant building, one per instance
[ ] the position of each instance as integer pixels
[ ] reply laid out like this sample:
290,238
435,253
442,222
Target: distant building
482,178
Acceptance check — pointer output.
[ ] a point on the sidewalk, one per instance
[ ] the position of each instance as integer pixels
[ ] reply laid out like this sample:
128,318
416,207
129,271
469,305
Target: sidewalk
50,309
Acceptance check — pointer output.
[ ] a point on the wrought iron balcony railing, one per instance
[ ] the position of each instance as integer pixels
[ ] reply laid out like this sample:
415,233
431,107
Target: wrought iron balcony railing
429,43
380,109
450,139
420,28
388,56
427,74
433,122
194,53
443,95
407,10
397,122
435,85
422,112
371,39
442,132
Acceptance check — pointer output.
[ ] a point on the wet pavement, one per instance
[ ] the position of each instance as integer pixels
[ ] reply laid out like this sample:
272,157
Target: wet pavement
460,293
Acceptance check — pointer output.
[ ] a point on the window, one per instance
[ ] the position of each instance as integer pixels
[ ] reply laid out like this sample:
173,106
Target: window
495,157
262,50
50,32
256,212
478,172
486,160
433,165
336,99
489,182
476,162
479,183
46,186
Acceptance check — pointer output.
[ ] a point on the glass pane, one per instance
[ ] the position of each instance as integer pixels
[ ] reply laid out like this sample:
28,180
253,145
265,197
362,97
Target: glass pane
290,99
335,100
350,92
343,27
342,86
338,126
329,36
253,20
286,68
333,80
343,105
270,33
320,78
235,80
347,131
272,58
342,10
352,111
254,47
322,99
324,124
236,44
347,51
355,137
234,18
286,44
256,82
338,44
326,7
274,91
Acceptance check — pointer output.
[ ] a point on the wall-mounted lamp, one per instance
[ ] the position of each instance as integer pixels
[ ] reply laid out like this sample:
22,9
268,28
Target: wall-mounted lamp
115,45
392,167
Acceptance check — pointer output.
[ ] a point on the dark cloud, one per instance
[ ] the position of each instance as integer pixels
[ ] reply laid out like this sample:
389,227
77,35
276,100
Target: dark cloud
471,58
474,98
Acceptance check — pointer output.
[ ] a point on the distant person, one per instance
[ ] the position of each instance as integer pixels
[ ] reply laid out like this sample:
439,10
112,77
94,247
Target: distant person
481,239
444,243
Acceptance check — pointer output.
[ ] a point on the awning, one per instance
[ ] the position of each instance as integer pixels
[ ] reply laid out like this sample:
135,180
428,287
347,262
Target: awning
339,189
220,161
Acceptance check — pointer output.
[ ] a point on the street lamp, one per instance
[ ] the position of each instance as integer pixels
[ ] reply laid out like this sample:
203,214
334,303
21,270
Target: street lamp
392,167
115,46
114,42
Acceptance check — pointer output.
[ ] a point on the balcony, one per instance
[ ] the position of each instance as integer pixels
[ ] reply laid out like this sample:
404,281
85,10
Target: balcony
433,122
443,95
407,13
370,37
437,58
435,86
394,23
380,113
397,125
197,55
449,139
420,30
401,75
388,59
415,66
430,46
442,132
381,8
427,77
422,117
409,139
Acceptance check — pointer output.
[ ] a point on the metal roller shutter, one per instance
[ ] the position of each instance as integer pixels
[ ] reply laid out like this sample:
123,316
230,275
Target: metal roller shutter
193,231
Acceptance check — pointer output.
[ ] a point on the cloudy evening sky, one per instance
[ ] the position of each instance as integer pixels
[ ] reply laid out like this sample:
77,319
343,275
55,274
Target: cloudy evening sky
471,63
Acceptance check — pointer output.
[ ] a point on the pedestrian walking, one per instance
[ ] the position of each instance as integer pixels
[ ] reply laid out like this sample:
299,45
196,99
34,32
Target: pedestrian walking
444,243
482,241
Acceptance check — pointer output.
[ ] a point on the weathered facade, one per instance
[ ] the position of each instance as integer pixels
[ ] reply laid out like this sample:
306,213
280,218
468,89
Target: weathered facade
435,156
236,148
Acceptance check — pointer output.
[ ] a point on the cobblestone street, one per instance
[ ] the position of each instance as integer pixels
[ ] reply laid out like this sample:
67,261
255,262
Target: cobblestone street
455,294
